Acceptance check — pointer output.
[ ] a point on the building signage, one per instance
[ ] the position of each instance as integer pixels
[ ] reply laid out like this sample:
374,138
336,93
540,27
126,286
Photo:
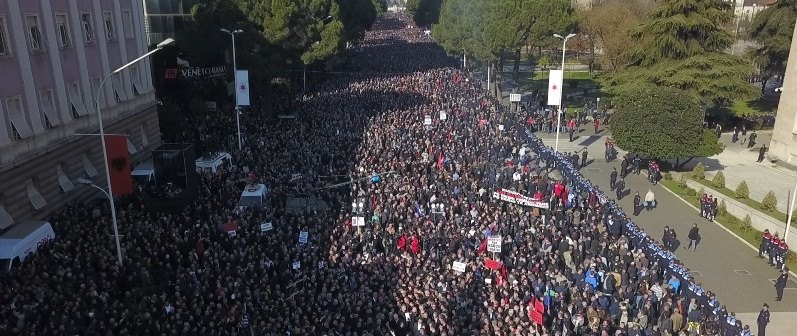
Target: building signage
196,72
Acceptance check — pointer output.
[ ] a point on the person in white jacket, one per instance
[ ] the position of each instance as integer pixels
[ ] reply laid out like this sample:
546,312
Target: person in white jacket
650,200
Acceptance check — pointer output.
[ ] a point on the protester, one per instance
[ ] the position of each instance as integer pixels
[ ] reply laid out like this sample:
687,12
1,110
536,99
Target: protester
442,169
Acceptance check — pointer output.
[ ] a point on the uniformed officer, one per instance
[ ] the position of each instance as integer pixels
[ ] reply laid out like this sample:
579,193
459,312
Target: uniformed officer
774,245
612,178
620,188
764,246
710,208
780,284
783,249
584,158
637,203
623,168
703,205
763,320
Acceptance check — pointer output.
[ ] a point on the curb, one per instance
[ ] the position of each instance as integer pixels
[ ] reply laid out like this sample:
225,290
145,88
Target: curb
720,225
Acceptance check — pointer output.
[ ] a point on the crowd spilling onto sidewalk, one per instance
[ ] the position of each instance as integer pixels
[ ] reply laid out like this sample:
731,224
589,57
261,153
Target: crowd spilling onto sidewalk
465,231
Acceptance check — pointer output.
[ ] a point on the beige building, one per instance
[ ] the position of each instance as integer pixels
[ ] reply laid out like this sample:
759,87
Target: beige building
783,146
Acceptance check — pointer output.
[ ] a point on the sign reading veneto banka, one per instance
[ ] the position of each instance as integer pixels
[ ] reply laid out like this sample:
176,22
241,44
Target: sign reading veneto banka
517,198
205,72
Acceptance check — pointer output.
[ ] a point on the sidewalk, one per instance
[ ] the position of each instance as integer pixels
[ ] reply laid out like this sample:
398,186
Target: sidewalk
739,164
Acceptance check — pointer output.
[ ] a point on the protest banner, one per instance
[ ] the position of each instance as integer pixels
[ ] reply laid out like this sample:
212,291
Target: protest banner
303,237
517,198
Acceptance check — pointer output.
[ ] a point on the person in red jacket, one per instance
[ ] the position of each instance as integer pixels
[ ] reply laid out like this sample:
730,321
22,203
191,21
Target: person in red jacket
415,245
774,245
764,246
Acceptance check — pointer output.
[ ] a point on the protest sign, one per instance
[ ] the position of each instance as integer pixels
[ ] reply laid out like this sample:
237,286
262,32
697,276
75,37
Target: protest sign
303,237
297,265
494,244
266,227
358,221
458,266
443,115
427,120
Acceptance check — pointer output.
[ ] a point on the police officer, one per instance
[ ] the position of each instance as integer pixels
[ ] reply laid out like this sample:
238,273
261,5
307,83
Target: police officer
624,168
637,162
763,320
612,178
637,203
710,208
780,284
584,158
774,245
764,246
620,188
781,257
703,205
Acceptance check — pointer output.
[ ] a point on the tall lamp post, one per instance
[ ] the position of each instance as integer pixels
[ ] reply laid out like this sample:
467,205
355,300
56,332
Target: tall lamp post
109,193
559,113
234,69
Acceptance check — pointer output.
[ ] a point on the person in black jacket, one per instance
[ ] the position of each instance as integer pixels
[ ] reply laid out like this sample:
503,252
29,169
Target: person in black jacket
780,284
694,237
763,320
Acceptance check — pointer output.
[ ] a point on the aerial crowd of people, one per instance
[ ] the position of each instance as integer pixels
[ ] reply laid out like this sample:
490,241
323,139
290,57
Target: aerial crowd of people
470,225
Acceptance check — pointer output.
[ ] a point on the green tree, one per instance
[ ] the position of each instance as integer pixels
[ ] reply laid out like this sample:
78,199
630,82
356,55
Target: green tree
357,17
742,191
424,12
661,122
719,180
772,30
770,202
682,45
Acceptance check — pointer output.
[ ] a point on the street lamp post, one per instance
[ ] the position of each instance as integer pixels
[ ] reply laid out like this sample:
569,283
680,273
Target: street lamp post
234,69
559,113
109,193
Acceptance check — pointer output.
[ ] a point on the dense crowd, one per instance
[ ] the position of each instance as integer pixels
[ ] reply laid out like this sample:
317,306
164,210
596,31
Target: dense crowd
426,149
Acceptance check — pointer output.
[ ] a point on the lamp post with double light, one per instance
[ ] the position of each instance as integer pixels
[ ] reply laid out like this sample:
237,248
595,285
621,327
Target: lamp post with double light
561,98
109,193
234,75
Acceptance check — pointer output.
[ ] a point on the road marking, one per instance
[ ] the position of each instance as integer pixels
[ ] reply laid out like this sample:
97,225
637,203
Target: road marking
742,272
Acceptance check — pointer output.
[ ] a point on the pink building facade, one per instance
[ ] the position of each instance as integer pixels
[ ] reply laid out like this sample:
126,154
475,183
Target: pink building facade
53,56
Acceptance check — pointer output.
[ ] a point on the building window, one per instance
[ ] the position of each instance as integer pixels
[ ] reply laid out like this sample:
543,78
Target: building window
135,78
88,28
62,29
110,34
119,90
88,167
127,19
4,44
16,113
76,99
34,33
34,196
63,180
48,108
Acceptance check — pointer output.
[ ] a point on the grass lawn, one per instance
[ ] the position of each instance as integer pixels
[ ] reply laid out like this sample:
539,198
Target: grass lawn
749,202
743,109
728,221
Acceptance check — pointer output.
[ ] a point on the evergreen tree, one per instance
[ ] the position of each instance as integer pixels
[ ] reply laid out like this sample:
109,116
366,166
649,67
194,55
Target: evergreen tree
682,45
772,29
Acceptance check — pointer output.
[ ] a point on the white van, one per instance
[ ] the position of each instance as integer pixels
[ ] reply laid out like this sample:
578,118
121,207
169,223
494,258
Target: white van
253,195
212,164
22,240
143,173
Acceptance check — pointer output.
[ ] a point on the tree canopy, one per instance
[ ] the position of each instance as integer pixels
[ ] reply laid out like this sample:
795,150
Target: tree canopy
424,12
608,24
682,45
661,122
772,29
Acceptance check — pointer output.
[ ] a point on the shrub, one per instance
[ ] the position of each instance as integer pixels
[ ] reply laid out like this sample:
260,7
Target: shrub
770,202
668,176
742,191
722,208
733,220
747,223
699,172
691,192
682,182
719,180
